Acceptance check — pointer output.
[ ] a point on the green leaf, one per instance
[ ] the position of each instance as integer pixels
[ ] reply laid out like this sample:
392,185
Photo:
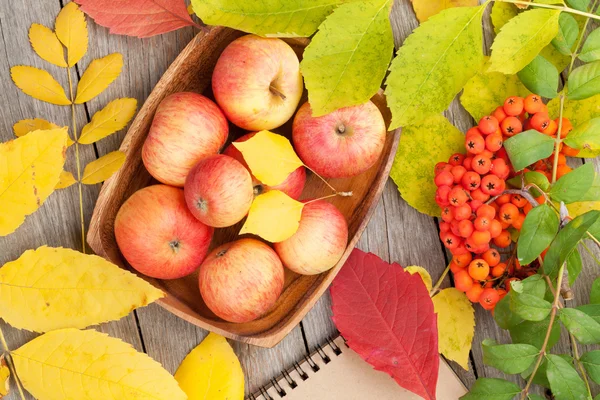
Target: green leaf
540,377
509,358
567,240
528,147
529,307
541,77
591,48
574,185
595,292
504,317
585,329
486,90
534,332
574,266
522,38
348,58
568,30
565,382
421,147
534,285
591,363
593,310
434,63
560,61
577,111
585,137
492,389
533,396
537,178
581,5
584,81
502,13
266,17
538,231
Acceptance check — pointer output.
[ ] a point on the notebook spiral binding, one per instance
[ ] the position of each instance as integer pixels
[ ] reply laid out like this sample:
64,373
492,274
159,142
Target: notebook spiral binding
262,392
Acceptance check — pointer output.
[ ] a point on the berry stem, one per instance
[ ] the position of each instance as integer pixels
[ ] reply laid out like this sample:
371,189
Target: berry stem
579,365
590,252
10,364
342,194
558,140
561,8
523,193
437,285
593,238
575,53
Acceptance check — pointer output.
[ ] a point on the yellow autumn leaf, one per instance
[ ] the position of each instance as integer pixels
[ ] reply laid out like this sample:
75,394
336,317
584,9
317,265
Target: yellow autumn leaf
456,325
426,8
274,216
270,157
24,126
46,45
96,78
414,269
65,180
72,364
71,30
112,118
39,84
211,371
4,377
103,168
29,171
53,288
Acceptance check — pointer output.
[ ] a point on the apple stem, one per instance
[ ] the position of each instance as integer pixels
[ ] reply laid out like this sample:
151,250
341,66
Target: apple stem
277,92
174,244
341,129
344,194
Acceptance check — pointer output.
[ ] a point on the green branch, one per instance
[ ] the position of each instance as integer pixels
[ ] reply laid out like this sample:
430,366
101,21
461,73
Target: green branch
560,8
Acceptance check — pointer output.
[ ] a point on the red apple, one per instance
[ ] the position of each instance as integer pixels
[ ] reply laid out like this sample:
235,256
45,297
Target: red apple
293,184
241,280
218,191
344,143
319,242
187,127
257,82
158,235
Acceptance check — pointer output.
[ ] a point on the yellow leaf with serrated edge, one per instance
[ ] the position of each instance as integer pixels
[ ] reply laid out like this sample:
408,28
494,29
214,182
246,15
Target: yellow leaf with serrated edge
211,371
53,288
414,269
456,325
426,8
103,168
25,126
71,30
422,146
270,157
4,377
96,78
112,118
46,45
274,216
71,364
66,179
39,84
29,171
578,112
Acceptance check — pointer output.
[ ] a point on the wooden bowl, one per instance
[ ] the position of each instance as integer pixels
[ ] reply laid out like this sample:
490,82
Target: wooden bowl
192,71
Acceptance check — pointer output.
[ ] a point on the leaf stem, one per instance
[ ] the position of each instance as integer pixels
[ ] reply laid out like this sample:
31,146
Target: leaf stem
590,252
558,140
343,194
10,364
437,285
579,366
593,238
560,8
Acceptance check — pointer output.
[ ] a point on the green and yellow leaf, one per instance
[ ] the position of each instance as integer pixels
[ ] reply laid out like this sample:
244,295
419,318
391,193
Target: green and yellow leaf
65,180
98,76
414,269
54,288
112,118
427,8
434,64
29,172
456,325
348,58
103,168
211,371
71,30
73,364
24,126
46,44
274,216
502,13
4,377
422,146
39,84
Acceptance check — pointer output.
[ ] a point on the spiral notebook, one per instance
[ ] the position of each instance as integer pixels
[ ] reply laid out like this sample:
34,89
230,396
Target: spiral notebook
335,372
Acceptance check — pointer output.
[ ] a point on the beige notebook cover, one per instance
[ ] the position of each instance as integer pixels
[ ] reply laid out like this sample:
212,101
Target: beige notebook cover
347,377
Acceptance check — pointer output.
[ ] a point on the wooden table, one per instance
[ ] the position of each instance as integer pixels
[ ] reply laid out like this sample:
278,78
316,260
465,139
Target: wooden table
396,232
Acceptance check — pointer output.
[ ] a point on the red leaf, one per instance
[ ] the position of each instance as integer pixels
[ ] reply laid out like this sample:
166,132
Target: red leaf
386,316
141,18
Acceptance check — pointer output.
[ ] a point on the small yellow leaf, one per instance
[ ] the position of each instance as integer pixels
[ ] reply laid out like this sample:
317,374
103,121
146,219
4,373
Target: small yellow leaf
29,171
72,364
211,371
426,8
103,168
4,377
112,118
54,288
25,126
274,216
270,157
46,45
66,179
71,30
413,269
39,84
456,325
96,78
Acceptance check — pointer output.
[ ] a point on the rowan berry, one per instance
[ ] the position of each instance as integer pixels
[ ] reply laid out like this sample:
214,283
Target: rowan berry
511,126
479,238
441,195
500,168
463,260
462,281
486,211
533,103
467,163
459,250
447,214
513,106
457,173
462,212
540,121
454,227
569,151
562,170
508,213
479,269
499,270
541,199
562,160
475,144
527,207
471,180
551,128
444,178
492,185
474,293
488,298
565,128
472,131
518,222
455,268
482,223
477,194
475,204
476,248
458,196
441,167
492,257
503,199
450,240
501,294
518,200
444,226
493,142
481,164
495,228
508,283
488,154
456,159
503,240
488,125
499,114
